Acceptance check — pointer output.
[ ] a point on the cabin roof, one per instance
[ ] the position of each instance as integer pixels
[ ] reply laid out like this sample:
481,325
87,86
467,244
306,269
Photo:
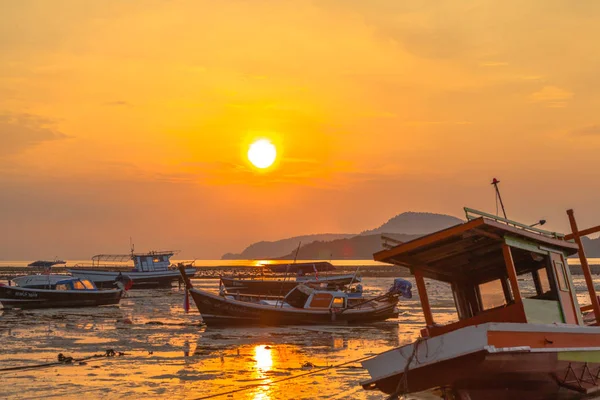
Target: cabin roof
474,247
46,264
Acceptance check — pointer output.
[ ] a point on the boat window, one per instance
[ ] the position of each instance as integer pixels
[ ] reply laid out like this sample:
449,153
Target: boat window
492,294
157,259
88,285
297,298
78,285
338,302
321,300
62,286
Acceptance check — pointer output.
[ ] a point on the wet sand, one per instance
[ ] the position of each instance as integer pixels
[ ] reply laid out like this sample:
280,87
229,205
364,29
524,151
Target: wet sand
169,353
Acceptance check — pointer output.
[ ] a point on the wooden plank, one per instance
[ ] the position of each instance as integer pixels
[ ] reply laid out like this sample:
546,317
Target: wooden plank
523,244
512,274
422,289
584,232
541,340
542,311
585,267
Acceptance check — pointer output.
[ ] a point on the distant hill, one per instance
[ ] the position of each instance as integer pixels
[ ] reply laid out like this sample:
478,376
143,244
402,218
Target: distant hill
416,223
592,247
275,249
360,247
327,246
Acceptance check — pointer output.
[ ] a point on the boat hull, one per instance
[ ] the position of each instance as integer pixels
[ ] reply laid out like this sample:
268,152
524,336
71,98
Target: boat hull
281,287
217,310
141,280
26,298
494,361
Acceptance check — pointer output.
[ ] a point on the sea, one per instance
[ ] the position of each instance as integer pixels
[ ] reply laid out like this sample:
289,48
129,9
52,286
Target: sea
161,351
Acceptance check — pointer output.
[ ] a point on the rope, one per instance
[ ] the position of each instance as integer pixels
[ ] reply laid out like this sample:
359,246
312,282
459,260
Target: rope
62,360
402,387
247,387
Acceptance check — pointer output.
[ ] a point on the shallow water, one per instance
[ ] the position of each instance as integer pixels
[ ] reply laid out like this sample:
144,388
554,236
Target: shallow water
168,353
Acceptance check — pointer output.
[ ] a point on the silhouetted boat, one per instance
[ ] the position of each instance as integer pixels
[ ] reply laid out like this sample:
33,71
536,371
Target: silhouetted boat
304,273
301,306
69,292
506,343
150,269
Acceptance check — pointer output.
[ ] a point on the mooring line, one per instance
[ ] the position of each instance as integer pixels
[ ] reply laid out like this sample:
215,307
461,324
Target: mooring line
248,387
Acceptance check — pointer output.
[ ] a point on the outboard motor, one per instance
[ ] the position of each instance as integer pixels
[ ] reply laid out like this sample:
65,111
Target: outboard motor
123,281
402,287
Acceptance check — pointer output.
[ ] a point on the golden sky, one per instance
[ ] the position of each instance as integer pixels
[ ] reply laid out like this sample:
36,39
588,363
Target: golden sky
132,118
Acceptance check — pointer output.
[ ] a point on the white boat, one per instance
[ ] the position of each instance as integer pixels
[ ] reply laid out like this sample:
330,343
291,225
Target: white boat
45,280
151,269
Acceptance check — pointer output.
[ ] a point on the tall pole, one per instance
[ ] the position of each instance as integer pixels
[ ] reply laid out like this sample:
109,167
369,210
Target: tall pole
585,266
495,182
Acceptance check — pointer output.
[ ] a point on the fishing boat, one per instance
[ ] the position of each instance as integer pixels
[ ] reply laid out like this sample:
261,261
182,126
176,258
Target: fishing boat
69,292
151,269
519,332
44,280
301,306
304,273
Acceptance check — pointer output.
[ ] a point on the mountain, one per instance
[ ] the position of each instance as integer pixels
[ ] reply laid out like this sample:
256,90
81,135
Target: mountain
360,247
266,250
339,246
416,223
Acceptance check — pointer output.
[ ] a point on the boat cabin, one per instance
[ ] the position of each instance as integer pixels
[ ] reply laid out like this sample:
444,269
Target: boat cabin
142,262
304,297
497,270
75,284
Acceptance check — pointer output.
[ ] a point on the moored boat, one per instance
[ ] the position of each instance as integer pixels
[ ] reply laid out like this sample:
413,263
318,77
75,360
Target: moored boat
44,280
520,331
149,270
301,306
304,273
69,292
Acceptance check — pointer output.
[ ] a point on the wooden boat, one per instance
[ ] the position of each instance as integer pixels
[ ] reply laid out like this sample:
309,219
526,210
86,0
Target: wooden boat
70,292
506,343
301,306
303,274
149,270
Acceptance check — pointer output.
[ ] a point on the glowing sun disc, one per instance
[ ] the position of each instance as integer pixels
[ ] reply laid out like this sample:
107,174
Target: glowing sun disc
262,153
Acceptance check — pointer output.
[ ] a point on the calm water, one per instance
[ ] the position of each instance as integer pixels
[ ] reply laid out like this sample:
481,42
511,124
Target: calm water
169,354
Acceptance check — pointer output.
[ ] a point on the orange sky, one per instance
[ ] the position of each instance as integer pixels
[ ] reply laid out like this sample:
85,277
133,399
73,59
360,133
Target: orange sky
132,118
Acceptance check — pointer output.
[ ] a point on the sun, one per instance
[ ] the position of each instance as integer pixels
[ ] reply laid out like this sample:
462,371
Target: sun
262,153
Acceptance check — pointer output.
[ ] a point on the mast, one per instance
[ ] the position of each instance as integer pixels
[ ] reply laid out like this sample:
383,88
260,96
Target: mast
495,182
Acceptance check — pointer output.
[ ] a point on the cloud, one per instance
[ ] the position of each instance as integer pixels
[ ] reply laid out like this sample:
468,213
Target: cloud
587,130
552,96
493,64
117,103
19,132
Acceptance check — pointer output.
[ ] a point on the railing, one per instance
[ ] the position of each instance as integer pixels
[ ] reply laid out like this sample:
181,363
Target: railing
389,243
472,214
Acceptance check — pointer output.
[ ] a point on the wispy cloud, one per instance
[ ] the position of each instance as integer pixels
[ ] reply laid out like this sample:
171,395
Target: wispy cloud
551,96
590,130
19,132
121,103
493,64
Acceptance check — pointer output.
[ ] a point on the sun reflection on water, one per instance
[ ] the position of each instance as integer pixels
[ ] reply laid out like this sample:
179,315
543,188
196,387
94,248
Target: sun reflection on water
264,360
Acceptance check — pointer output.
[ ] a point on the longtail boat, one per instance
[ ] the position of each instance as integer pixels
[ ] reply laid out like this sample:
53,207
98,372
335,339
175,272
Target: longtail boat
304,273
301,306
520,332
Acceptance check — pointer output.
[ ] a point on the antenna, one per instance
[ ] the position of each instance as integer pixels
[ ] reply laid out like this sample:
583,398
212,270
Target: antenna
131,245
297,250
495,182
